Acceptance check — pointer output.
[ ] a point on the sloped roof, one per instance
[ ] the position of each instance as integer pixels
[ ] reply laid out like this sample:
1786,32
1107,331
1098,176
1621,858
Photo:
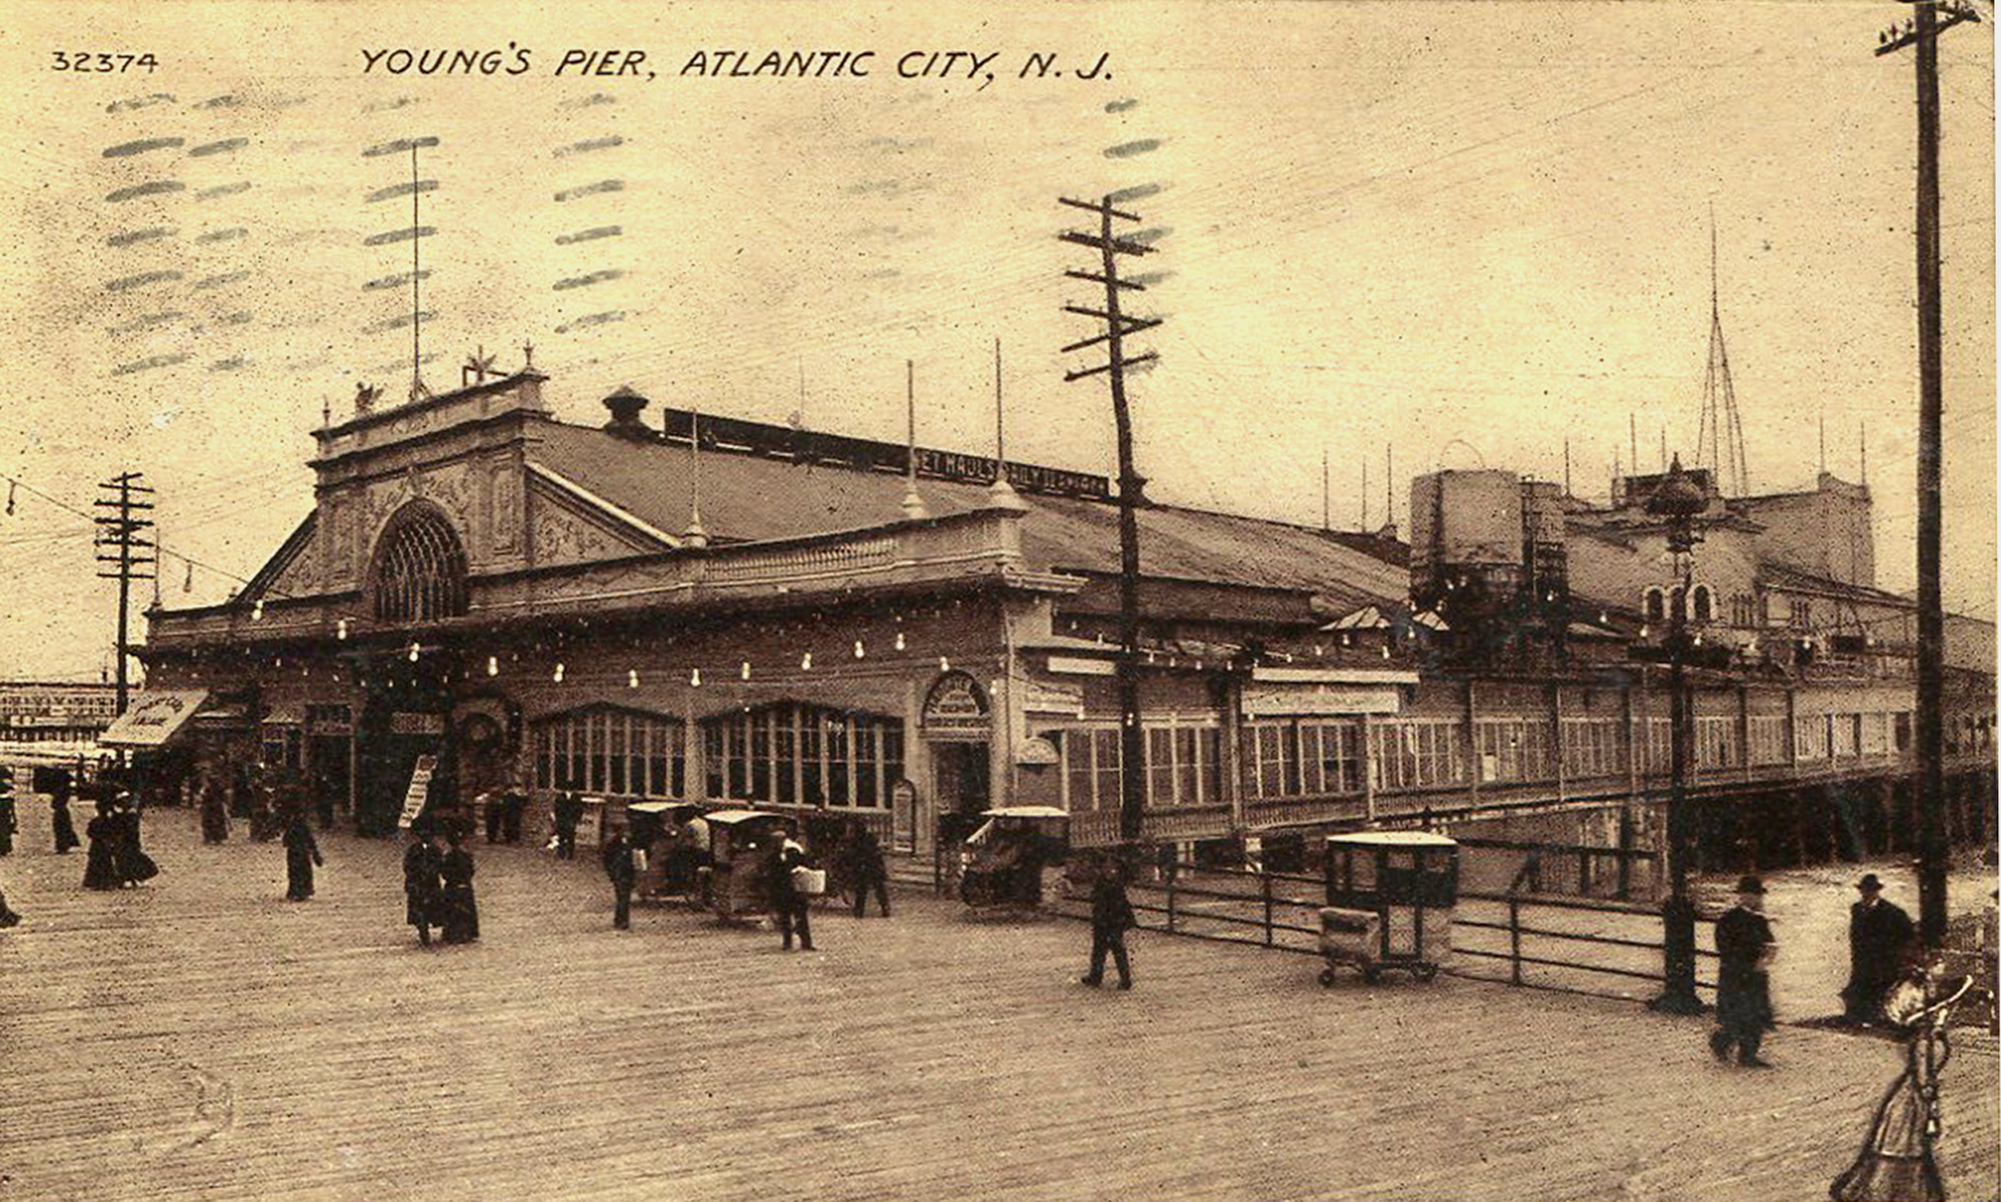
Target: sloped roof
1780,575
754,498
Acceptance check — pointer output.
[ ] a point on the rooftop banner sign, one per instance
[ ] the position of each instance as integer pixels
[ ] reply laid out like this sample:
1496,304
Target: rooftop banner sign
1285,699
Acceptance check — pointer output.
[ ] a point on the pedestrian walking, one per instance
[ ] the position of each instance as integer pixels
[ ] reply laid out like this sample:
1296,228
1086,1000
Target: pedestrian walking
100,867
302,855
1879,933
791,907
129,856
459,908
59,819
10,821
1111,918
215,812
490,804
1745,948
1898,1161
568,812
621,864
865,871
422,865
512,802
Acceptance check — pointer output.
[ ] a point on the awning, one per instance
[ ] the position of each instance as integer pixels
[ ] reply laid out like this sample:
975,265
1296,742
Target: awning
153,717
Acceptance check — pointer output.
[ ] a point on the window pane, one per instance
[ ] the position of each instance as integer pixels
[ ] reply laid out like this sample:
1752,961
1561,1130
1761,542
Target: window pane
1188,784
836,735
1078,796
785,754
866,785
1106,753
1160,766
760,755
812,765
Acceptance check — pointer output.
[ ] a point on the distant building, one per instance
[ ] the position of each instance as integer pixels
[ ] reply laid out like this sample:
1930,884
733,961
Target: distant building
774,621
54,715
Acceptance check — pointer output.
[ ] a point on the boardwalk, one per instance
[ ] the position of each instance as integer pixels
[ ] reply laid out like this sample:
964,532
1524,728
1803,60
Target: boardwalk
201,1039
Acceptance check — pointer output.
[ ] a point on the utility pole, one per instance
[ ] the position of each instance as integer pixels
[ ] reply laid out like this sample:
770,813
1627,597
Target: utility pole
123,546
1132,745
1922,32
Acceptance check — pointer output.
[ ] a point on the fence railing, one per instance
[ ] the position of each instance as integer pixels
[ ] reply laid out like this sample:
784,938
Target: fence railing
1568,945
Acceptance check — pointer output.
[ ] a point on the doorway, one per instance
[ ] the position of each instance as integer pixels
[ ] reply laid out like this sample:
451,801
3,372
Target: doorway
961,780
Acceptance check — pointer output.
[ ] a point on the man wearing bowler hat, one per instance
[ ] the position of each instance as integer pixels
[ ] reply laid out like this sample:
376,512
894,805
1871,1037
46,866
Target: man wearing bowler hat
1878,933
1745,946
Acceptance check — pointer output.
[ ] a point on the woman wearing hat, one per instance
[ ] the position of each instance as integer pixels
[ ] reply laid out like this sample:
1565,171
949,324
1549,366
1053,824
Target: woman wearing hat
100,867
1745,946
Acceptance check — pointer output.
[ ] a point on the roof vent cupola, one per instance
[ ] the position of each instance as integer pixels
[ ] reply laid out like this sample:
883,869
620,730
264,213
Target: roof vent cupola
625,405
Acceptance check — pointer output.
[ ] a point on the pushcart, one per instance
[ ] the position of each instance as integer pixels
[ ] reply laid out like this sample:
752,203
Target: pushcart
740,842
1389,903
1002,863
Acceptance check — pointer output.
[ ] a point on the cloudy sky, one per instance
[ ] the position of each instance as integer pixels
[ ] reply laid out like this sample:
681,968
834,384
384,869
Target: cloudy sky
1473,231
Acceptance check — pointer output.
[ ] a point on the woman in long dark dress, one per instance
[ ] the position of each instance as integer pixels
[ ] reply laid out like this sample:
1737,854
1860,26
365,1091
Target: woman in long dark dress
461,908
9,821
65,828
100,869
302,855
128,856
1898,1161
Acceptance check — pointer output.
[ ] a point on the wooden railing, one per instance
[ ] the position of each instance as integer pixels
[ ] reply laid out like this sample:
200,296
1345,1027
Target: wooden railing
1558,944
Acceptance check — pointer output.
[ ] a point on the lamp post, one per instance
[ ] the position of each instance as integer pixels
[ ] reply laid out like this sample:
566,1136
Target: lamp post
1677,501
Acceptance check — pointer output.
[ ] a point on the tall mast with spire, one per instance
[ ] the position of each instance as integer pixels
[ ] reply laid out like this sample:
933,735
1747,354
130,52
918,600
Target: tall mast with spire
1719,441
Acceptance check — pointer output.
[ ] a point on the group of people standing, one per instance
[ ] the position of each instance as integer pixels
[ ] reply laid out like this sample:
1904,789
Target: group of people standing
116,859
437,886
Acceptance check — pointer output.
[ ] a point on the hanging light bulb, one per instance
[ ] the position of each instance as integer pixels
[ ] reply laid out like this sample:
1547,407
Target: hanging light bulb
806,661
1386,650
695,678
492,665
744,672
257,611
413,653
632,678
899,640
1346,639
944,665
859,652
340,629
559,672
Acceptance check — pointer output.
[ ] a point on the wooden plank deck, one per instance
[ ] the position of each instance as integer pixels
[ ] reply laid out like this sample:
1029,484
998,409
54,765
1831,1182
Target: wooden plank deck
199,1038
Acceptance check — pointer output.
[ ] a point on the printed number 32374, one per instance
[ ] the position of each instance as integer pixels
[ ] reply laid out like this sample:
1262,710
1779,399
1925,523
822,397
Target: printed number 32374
104,63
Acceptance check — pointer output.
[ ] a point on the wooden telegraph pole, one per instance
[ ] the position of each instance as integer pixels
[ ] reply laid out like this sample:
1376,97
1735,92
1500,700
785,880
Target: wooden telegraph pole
1132,746
123,548
1922,32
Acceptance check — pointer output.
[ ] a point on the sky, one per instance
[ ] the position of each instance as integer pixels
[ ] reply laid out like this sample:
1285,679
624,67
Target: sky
1406,235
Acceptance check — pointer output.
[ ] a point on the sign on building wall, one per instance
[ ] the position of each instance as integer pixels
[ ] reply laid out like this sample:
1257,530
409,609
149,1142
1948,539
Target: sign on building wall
403,723
1044,697
1273,700
956,708
1036,752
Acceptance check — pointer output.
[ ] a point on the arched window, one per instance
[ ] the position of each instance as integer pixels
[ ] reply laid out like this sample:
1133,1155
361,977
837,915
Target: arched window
1705,606
420,568
1656,606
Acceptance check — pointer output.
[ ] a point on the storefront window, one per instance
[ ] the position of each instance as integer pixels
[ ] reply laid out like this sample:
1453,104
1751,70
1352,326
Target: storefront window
790,754
626,753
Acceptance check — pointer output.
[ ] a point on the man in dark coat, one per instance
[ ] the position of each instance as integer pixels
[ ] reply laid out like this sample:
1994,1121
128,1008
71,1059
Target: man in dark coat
1878,934
422,863
512,802
866,871
569,811
302,855
621,865
1744,945
1111,918
790,906
215,812
494,812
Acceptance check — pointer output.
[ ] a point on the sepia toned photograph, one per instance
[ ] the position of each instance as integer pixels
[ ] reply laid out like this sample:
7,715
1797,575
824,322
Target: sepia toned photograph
1265,600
